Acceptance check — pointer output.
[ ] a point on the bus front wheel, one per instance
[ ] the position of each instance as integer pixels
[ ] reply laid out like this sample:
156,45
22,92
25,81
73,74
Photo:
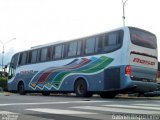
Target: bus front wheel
21,88
80,89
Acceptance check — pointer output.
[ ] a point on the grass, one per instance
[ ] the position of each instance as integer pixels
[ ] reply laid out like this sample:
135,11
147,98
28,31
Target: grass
3,83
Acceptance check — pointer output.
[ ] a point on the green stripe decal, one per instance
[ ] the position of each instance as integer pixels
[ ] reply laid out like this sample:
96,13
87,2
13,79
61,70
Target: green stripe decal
101,63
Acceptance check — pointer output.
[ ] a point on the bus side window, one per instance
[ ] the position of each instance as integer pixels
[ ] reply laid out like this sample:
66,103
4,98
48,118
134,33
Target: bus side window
29,56
23,58
79,47
89,45
49,53
112,41
120,37
98,44
62,52
34,56
105,42
72,49
58,51
53,52
38,55
43,56
115,40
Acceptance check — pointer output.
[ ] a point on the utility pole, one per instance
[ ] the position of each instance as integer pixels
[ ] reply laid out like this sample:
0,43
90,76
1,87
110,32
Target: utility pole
3,46
123,17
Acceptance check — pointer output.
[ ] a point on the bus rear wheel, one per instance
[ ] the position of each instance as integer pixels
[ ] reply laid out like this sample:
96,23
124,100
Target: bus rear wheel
80,89
21,88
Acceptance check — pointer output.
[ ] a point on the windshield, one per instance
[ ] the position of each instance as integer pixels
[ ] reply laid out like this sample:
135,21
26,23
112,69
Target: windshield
143,38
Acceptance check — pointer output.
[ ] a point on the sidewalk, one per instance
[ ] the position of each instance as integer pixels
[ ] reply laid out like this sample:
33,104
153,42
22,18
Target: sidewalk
4,93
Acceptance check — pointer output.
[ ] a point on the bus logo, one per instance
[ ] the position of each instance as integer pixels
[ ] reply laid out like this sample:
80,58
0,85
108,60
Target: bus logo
144,62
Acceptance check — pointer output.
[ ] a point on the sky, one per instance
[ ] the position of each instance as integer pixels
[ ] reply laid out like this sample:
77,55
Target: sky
36,22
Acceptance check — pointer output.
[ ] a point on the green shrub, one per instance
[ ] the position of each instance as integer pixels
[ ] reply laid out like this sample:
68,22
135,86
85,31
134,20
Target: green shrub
3,83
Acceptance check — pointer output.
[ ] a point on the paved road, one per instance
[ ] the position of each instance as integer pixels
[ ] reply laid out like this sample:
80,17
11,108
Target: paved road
33,107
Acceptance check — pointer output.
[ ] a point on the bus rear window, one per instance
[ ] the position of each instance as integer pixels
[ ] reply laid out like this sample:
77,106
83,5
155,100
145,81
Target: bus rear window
143,38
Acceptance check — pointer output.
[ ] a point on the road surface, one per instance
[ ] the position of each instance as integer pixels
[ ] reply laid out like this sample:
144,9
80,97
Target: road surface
37,107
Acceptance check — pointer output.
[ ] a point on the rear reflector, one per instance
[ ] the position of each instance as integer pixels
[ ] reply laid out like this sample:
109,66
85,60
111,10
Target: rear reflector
128,70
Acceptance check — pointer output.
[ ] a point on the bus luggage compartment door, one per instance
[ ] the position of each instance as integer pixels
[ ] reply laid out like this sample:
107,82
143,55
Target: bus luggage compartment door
112,79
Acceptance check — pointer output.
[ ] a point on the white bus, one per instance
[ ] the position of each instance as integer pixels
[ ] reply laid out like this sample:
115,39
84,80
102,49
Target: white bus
123,60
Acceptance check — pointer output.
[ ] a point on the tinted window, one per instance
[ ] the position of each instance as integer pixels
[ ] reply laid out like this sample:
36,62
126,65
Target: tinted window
90,45
23,58
112,41
72,49
49,53
38,55
34,56
43,54
98,46
143,38
58,52
29,56
79,48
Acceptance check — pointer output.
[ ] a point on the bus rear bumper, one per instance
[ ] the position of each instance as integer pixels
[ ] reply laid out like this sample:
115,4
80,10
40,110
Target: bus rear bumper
142,87
152,94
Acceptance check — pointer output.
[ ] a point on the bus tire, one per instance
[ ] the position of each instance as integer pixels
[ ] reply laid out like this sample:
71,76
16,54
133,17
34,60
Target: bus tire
107,95
21,88
80,89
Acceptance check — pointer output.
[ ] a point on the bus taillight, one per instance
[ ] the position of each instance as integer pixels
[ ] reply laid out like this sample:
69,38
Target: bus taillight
128,70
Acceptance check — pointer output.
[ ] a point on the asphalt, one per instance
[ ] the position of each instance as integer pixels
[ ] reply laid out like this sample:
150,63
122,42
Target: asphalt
63,107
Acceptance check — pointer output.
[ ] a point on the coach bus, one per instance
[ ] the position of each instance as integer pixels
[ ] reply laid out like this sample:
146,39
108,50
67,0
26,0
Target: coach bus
122,60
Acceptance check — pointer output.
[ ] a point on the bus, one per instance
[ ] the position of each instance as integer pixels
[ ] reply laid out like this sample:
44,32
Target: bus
123,60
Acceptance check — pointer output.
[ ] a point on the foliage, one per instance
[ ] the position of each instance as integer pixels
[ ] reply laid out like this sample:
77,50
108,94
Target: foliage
3,83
